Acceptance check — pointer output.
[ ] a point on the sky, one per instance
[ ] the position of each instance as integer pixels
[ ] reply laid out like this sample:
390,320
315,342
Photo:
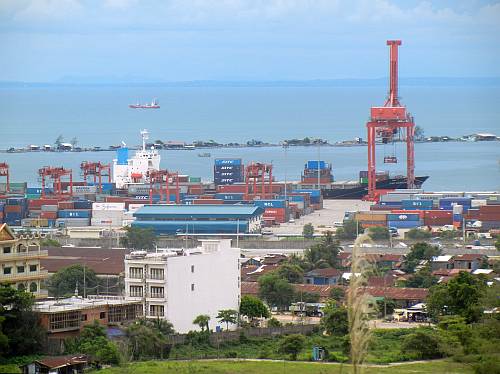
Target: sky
182,40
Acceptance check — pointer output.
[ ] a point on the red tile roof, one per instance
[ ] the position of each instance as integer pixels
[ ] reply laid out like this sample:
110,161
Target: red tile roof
469,257
250,273
380,281
102,261
62,361
391,257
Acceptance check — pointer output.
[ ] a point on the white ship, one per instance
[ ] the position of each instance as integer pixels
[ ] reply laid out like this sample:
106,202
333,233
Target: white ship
135,170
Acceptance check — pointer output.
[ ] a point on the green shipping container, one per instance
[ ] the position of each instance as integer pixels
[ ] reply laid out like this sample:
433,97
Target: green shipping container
195,179
363,180
32,196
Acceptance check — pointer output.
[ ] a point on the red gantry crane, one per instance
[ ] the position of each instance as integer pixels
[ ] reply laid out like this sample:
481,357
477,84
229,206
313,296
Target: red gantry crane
4,172
56,173
388,121
258,181
159,183
97,171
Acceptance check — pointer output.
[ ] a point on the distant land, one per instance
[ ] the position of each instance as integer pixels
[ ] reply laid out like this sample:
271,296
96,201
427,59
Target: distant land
347,82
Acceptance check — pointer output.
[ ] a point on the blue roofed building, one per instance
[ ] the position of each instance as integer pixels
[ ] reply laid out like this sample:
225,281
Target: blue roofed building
199,219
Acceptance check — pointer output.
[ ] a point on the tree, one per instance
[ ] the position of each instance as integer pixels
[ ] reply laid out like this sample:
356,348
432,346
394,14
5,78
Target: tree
292,273
292,345
418,252
418,234
378,233
48,242
323,254
275,290
337,294
421,279
459,296
308,297
67,280
308,231
424,344
335,319
253,307
273,322
146,339
20,330
349,230
139,238
202,321
228,316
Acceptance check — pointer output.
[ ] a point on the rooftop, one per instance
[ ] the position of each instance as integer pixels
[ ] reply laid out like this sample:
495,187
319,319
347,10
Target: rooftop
326,272
78,303
208,211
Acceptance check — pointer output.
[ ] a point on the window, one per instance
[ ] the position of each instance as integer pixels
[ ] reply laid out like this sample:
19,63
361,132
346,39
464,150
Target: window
157,292
102,315
21,287
6,249
33,267
157,273
33,287
7,270
156,310
20,269
136,272
84,317
192,286
136,291
192,268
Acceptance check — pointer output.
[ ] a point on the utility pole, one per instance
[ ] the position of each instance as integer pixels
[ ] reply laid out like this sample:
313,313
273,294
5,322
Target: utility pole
84,282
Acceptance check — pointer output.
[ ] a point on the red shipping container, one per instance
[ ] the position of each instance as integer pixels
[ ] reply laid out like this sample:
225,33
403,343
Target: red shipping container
13,208
489,209
115,199
486,216
315,180
438,213
238,188
48,215
195,190
37,203
65,205
208,201
437,221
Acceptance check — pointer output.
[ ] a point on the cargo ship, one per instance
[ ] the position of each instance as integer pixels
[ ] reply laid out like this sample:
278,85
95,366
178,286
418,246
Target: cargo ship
154,105
320,171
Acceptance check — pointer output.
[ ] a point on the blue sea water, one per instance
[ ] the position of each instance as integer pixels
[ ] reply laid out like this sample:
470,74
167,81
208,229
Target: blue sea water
99,116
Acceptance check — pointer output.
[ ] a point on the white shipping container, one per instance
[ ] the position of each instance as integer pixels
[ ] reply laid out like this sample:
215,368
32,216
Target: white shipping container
72,222
108,206
477,203
134,207
106,222
82,190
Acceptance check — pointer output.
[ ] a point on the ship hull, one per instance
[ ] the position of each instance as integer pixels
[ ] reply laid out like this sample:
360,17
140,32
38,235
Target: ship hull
358,192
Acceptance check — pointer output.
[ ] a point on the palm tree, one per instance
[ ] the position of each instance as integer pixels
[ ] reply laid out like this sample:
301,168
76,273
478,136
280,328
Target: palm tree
227,316
202,321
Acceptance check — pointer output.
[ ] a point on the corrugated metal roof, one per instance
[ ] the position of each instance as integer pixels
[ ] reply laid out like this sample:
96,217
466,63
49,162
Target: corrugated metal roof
198,210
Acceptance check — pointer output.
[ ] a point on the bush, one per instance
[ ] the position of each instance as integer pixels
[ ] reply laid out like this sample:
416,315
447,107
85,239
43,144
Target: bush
423,344
378,233
418,234
487,365
231,354
308,231
273,322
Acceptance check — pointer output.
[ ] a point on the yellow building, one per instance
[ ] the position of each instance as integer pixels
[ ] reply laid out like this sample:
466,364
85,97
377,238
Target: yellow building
20,261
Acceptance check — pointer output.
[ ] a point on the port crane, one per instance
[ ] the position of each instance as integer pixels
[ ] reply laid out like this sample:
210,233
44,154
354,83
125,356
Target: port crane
55,174
97,170
258,180
4,172
159,183
388,121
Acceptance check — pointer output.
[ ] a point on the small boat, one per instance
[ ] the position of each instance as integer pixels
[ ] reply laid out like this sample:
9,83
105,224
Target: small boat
154,105
206,154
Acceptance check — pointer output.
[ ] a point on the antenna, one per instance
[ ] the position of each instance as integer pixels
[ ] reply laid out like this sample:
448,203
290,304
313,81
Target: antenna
145,136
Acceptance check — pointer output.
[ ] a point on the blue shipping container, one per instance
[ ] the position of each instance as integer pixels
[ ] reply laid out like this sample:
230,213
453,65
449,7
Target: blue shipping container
313,193
83,213
16,201
403,217
417,204
82,204
38,190
294,198
314,164
405,224
395,204
458,218
227,161
270,203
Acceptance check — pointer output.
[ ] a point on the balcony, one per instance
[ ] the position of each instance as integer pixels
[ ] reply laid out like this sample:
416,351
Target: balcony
157,296
135,276
29,275
22,255
136,294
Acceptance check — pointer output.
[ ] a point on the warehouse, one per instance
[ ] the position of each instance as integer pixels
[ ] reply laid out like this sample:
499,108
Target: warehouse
199,219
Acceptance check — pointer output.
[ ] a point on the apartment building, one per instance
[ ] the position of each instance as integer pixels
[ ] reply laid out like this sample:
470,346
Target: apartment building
20,262
180,284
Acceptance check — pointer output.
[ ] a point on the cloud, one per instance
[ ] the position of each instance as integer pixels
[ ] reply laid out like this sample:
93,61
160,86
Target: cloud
49,11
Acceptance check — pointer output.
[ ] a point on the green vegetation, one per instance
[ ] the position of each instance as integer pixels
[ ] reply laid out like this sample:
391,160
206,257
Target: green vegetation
252,308
418,252
335,320
202,321
146,339
378,233
321,255
349,230
228,316
67,280
139,238
269,367
20,331
291,272
49,243
93,342
308,231
292,345
275,290
418,234
421,279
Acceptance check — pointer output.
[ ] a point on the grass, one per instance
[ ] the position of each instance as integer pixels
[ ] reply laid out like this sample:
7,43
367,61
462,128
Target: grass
269,367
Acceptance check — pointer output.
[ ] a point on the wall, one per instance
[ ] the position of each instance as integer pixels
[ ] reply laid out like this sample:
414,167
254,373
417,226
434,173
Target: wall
216,286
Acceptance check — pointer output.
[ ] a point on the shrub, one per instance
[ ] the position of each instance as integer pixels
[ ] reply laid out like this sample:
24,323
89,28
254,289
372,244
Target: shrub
231,354
487,365
418,234
423,344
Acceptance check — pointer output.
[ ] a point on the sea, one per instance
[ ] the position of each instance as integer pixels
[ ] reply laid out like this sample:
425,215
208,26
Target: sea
99,116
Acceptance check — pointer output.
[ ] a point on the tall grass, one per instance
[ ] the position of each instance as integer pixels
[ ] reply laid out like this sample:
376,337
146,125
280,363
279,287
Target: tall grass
359,306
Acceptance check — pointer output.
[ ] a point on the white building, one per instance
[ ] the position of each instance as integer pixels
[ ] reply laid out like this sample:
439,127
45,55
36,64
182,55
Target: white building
180,284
